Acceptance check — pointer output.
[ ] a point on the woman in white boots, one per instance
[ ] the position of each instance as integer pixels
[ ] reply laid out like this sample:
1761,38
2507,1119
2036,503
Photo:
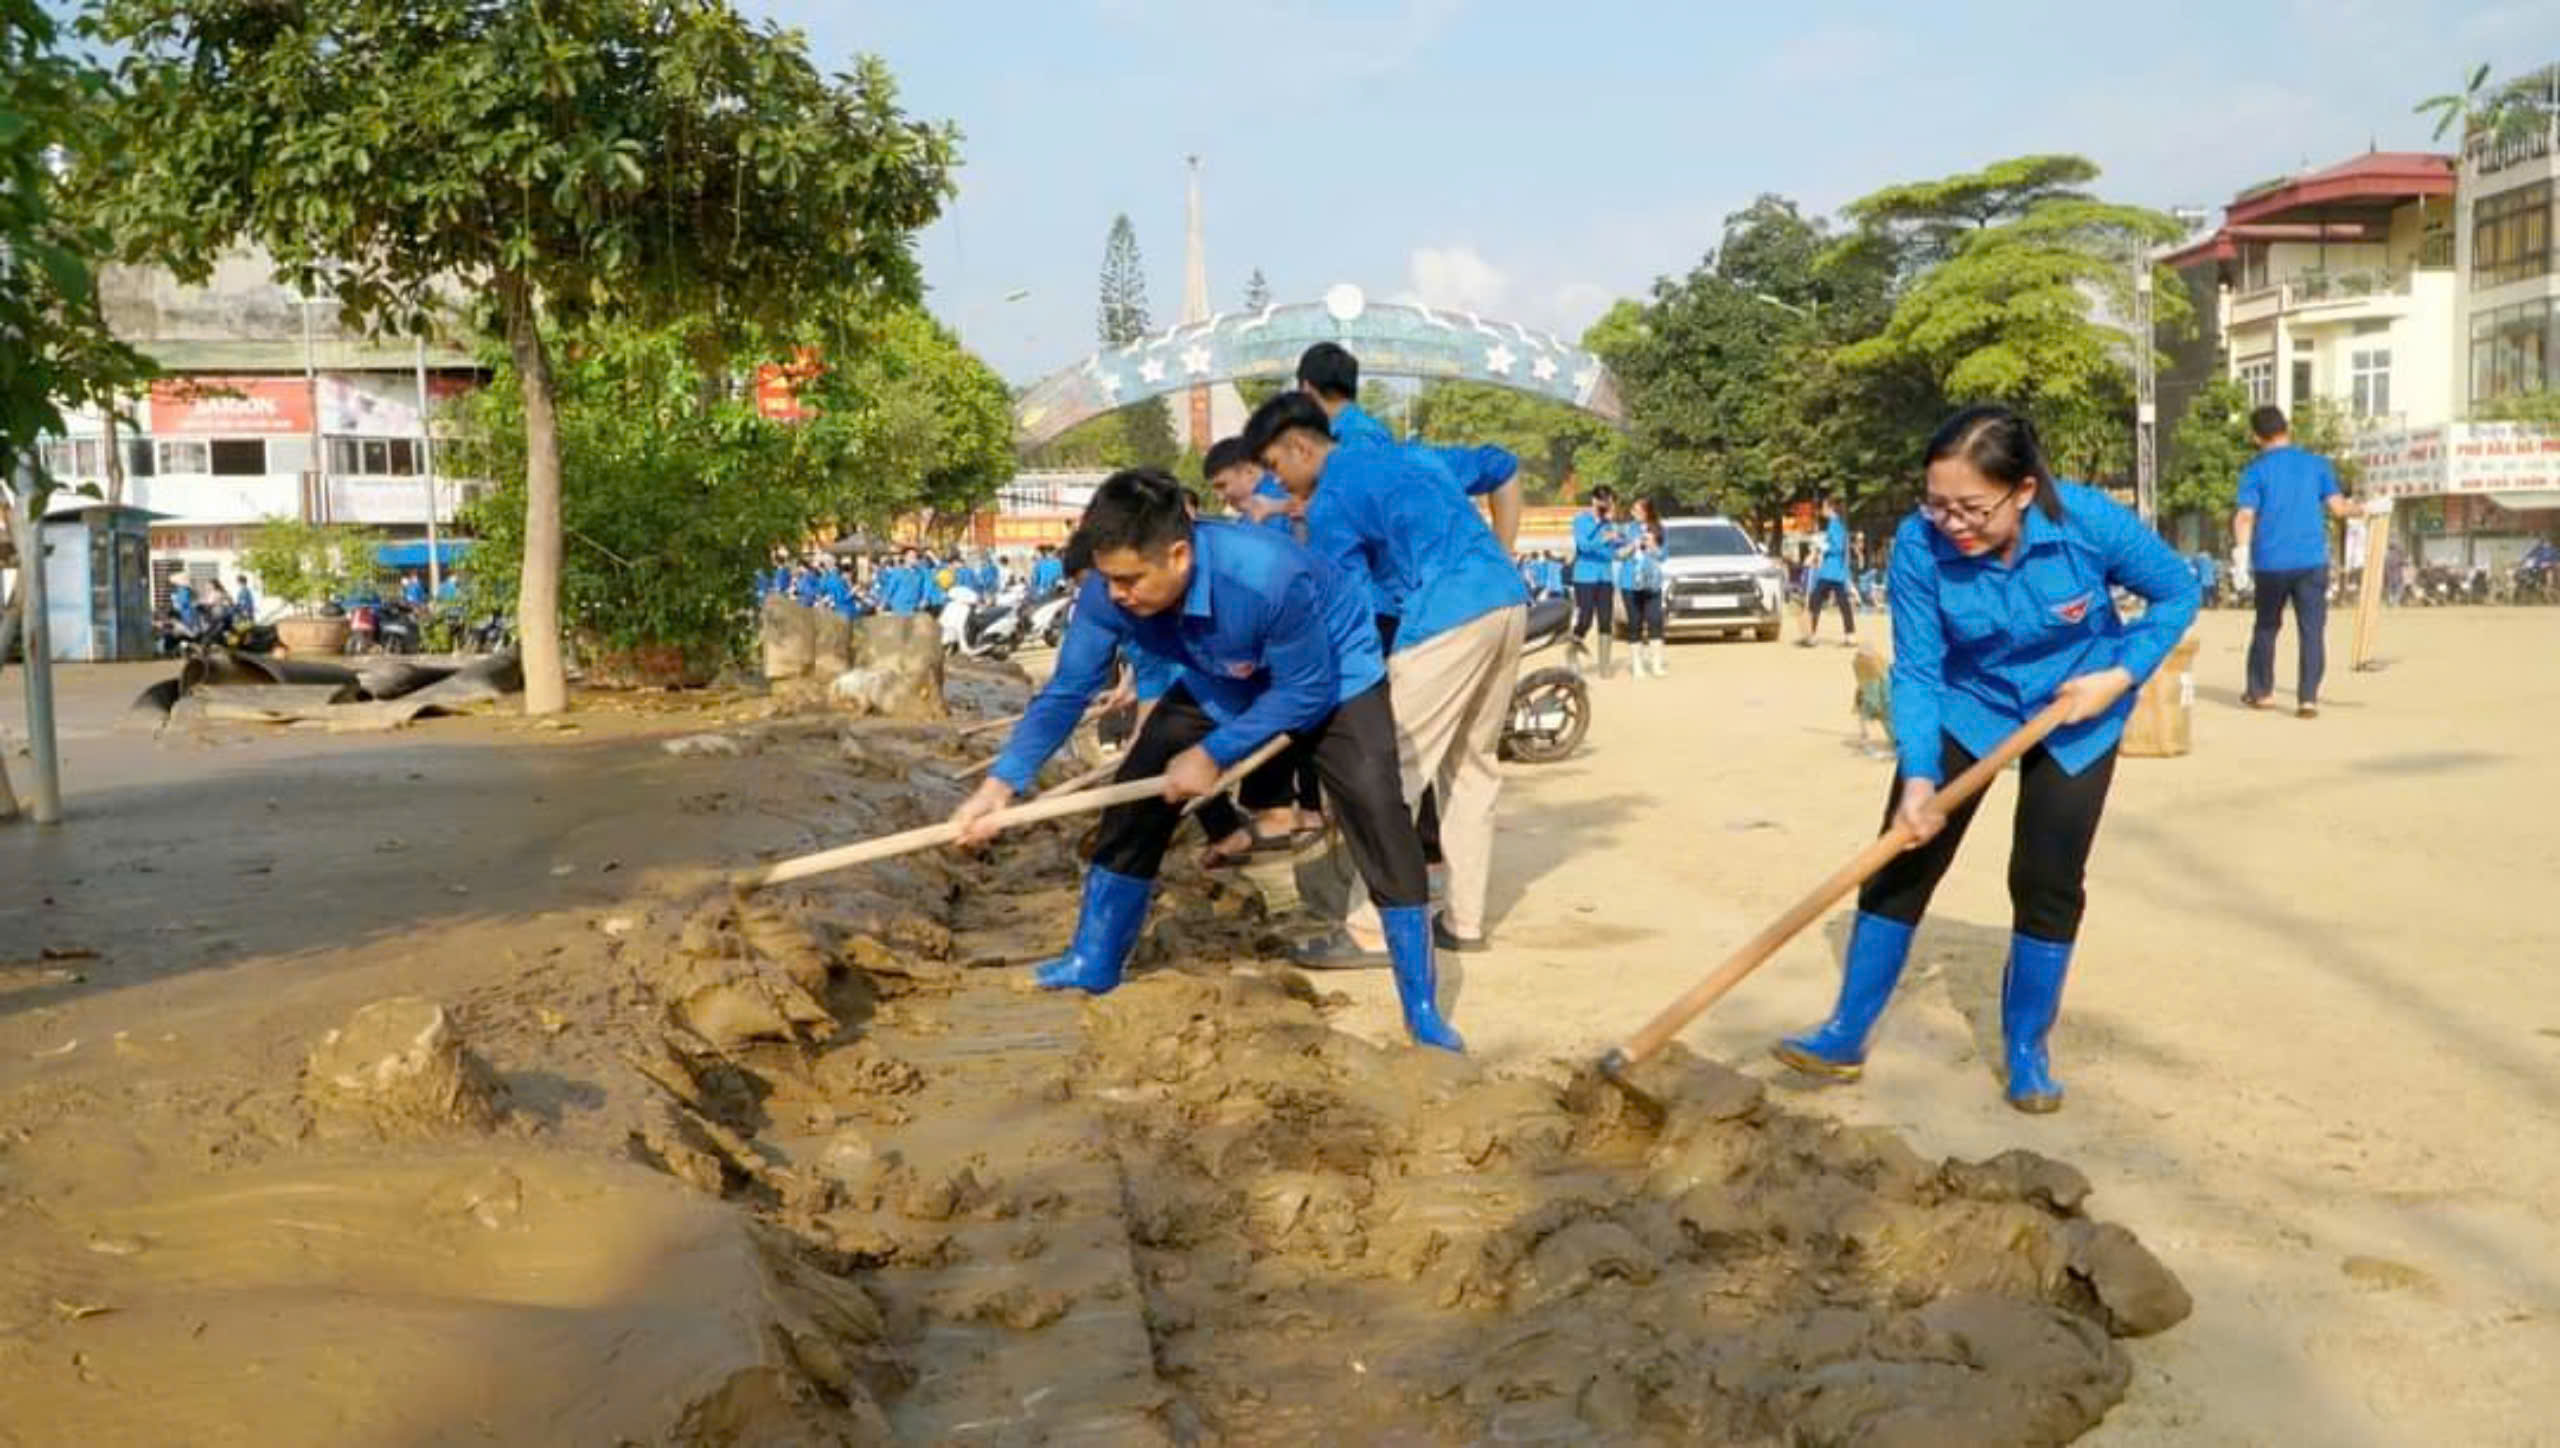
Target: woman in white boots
1640,583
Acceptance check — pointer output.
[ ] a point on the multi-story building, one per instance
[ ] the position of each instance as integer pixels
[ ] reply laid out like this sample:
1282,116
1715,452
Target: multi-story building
2337,284
270,408
2474,491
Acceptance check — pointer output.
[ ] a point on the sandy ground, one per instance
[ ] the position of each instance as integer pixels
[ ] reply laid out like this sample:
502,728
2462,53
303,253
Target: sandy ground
2310,1041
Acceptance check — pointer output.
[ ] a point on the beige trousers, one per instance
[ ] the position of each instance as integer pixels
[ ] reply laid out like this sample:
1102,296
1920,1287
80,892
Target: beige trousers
1451,696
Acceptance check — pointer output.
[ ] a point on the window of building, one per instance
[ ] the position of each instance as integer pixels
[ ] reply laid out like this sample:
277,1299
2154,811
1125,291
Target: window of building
2253,266
239,457
2513,348
2370,380
2259,379
373,457
2511,236
185,458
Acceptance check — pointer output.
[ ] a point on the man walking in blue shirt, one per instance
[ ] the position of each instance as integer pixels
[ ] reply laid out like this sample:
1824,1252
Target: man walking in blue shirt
1390,517
2281,531
1268,643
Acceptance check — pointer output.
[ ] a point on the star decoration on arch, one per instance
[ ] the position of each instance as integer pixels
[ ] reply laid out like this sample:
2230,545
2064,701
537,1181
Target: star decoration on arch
1498,359
1109,382
1544,369
1151,371
1195,361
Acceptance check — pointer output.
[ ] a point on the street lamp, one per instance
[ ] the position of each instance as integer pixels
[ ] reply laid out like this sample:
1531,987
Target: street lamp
1017,294
1810,314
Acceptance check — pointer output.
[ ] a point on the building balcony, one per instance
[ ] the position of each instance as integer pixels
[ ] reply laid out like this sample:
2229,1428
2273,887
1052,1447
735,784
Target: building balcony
2350,296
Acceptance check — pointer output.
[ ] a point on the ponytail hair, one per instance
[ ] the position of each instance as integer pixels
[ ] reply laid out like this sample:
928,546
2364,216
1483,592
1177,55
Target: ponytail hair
1999,443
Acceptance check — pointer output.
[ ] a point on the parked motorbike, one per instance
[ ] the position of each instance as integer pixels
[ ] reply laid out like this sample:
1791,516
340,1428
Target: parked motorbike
1551,708
1048,617
216,629
973,628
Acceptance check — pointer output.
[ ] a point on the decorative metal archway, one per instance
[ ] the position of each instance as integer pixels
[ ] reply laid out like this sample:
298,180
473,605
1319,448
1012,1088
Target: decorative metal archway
1391,339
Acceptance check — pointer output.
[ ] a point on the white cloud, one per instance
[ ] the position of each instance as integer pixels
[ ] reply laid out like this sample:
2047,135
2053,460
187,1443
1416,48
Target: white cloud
1455,278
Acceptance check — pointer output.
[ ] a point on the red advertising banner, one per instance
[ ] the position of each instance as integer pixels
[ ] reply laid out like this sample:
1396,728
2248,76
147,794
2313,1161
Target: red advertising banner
778,386
230,407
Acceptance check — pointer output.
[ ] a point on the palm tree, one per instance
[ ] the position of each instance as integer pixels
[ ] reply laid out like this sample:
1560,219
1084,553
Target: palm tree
2503,114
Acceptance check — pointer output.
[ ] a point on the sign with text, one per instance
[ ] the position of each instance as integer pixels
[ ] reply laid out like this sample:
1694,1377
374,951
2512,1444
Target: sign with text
230,407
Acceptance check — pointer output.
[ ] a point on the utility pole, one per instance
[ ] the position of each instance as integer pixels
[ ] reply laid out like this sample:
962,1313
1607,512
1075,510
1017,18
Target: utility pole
2146,400
427,465
26,529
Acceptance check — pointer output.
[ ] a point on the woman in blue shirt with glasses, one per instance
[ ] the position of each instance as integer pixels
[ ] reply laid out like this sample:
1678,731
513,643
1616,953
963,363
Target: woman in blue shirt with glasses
2000,599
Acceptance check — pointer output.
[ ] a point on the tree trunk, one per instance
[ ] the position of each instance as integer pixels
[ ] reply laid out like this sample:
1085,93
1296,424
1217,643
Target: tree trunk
546,682
109,440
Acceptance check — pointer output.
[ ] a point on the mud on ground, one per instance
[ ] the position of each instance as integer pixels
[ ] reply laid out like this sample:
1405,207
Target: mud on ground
817,1167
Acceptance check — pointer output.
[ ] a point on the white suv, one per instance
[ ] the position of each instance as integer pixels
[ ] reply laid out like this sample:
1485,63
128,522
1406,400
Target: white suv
1716,580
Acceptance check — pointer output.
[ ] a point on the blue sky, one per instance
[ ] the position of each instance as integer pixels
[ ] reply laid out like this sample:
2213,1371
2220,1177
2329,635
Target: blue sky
1534,161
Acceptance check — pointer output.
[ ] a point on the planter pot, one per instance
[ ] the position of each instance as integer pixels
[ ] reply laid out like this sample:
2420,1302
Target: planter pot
649,666
305,635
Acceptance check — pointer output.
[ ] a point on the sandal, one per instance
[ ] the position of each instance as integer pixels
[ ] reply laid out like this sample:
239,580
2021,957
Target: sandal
1214,858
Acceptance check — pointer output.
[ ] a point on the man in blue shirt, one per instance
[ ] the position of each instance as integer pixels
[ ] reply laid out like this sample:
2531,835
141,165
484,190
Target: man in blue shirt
1268,644
2281,532
1047,573
1596,544
1391,516
244,604
1329,373
1830,579
1284,795
902,584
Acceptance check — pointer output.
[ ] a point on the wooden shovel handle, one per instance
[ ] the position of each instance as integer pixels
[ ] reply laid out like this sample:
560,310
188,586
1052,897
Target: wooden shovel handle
1756,951
925,837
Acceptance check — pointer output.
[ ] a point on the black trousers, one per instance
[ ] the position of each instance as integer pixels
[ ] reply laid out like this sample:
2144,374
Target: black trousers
1426,810
2307,589
1355,752
1592,601
2048,847
1829,588
1644,614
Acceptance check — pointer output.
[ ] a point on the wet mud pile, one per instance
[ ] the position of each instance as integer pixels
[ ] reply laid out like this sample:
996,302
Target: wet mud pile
818,1166
1334,1236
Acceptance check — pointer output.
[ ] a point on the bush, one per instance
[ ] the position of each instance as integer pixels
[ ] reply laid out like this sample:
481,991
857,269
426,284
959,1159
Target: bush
308,564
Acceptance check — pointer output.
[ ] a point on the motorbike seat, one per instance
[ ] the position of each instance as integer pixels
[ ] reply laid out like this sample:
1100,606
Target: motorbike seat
1547,617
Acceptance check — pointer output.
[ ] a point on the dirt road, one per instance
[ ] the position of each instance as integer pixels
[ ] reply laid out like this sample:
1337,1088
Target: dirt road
2310,1043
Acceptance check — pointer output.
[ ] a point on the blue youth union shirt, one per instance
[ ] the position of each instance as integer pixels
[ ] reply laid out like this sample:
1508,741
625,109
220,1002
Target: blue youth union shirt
1981,645
1834,567
1595,548
1393,517
2287,487
1269,490
1267,642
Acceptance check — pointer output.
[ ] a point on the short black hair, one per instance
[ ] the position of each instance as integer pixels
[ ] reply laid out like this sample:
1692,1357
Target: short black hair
1140,509
1077,556
1286,413
1225,453
2001,445
2268,422
1331,370
1604,494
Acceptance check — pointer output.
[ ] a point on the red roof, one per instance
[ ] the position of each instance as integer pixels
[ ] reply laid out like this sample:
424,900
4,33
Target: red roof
2361,188
2385,177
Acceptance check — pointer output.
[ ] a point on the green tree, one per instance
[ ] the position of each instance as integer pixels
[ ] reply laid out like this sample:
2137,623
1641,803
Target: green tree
1549,437
1732,393
55,348
1146,425
2003,274
2207,450
2501,113
651,159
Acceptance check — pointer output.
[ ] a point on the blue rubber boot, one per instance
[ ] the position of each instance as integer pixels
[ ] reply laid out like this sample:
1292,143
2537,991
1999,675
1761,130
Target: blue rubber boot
1115,910
2030,997
1837,1049
1408,931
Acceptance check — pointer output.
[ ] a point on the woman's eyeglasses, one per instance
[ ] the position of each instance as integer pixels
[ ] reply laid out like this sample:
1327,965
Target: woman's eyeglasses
1967,514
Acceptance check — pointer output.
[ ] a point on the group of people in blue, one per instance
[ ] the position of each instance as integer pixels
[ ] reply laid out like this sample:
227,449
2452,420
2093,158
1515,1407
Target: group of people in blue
1617,557
916,581
1378,604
